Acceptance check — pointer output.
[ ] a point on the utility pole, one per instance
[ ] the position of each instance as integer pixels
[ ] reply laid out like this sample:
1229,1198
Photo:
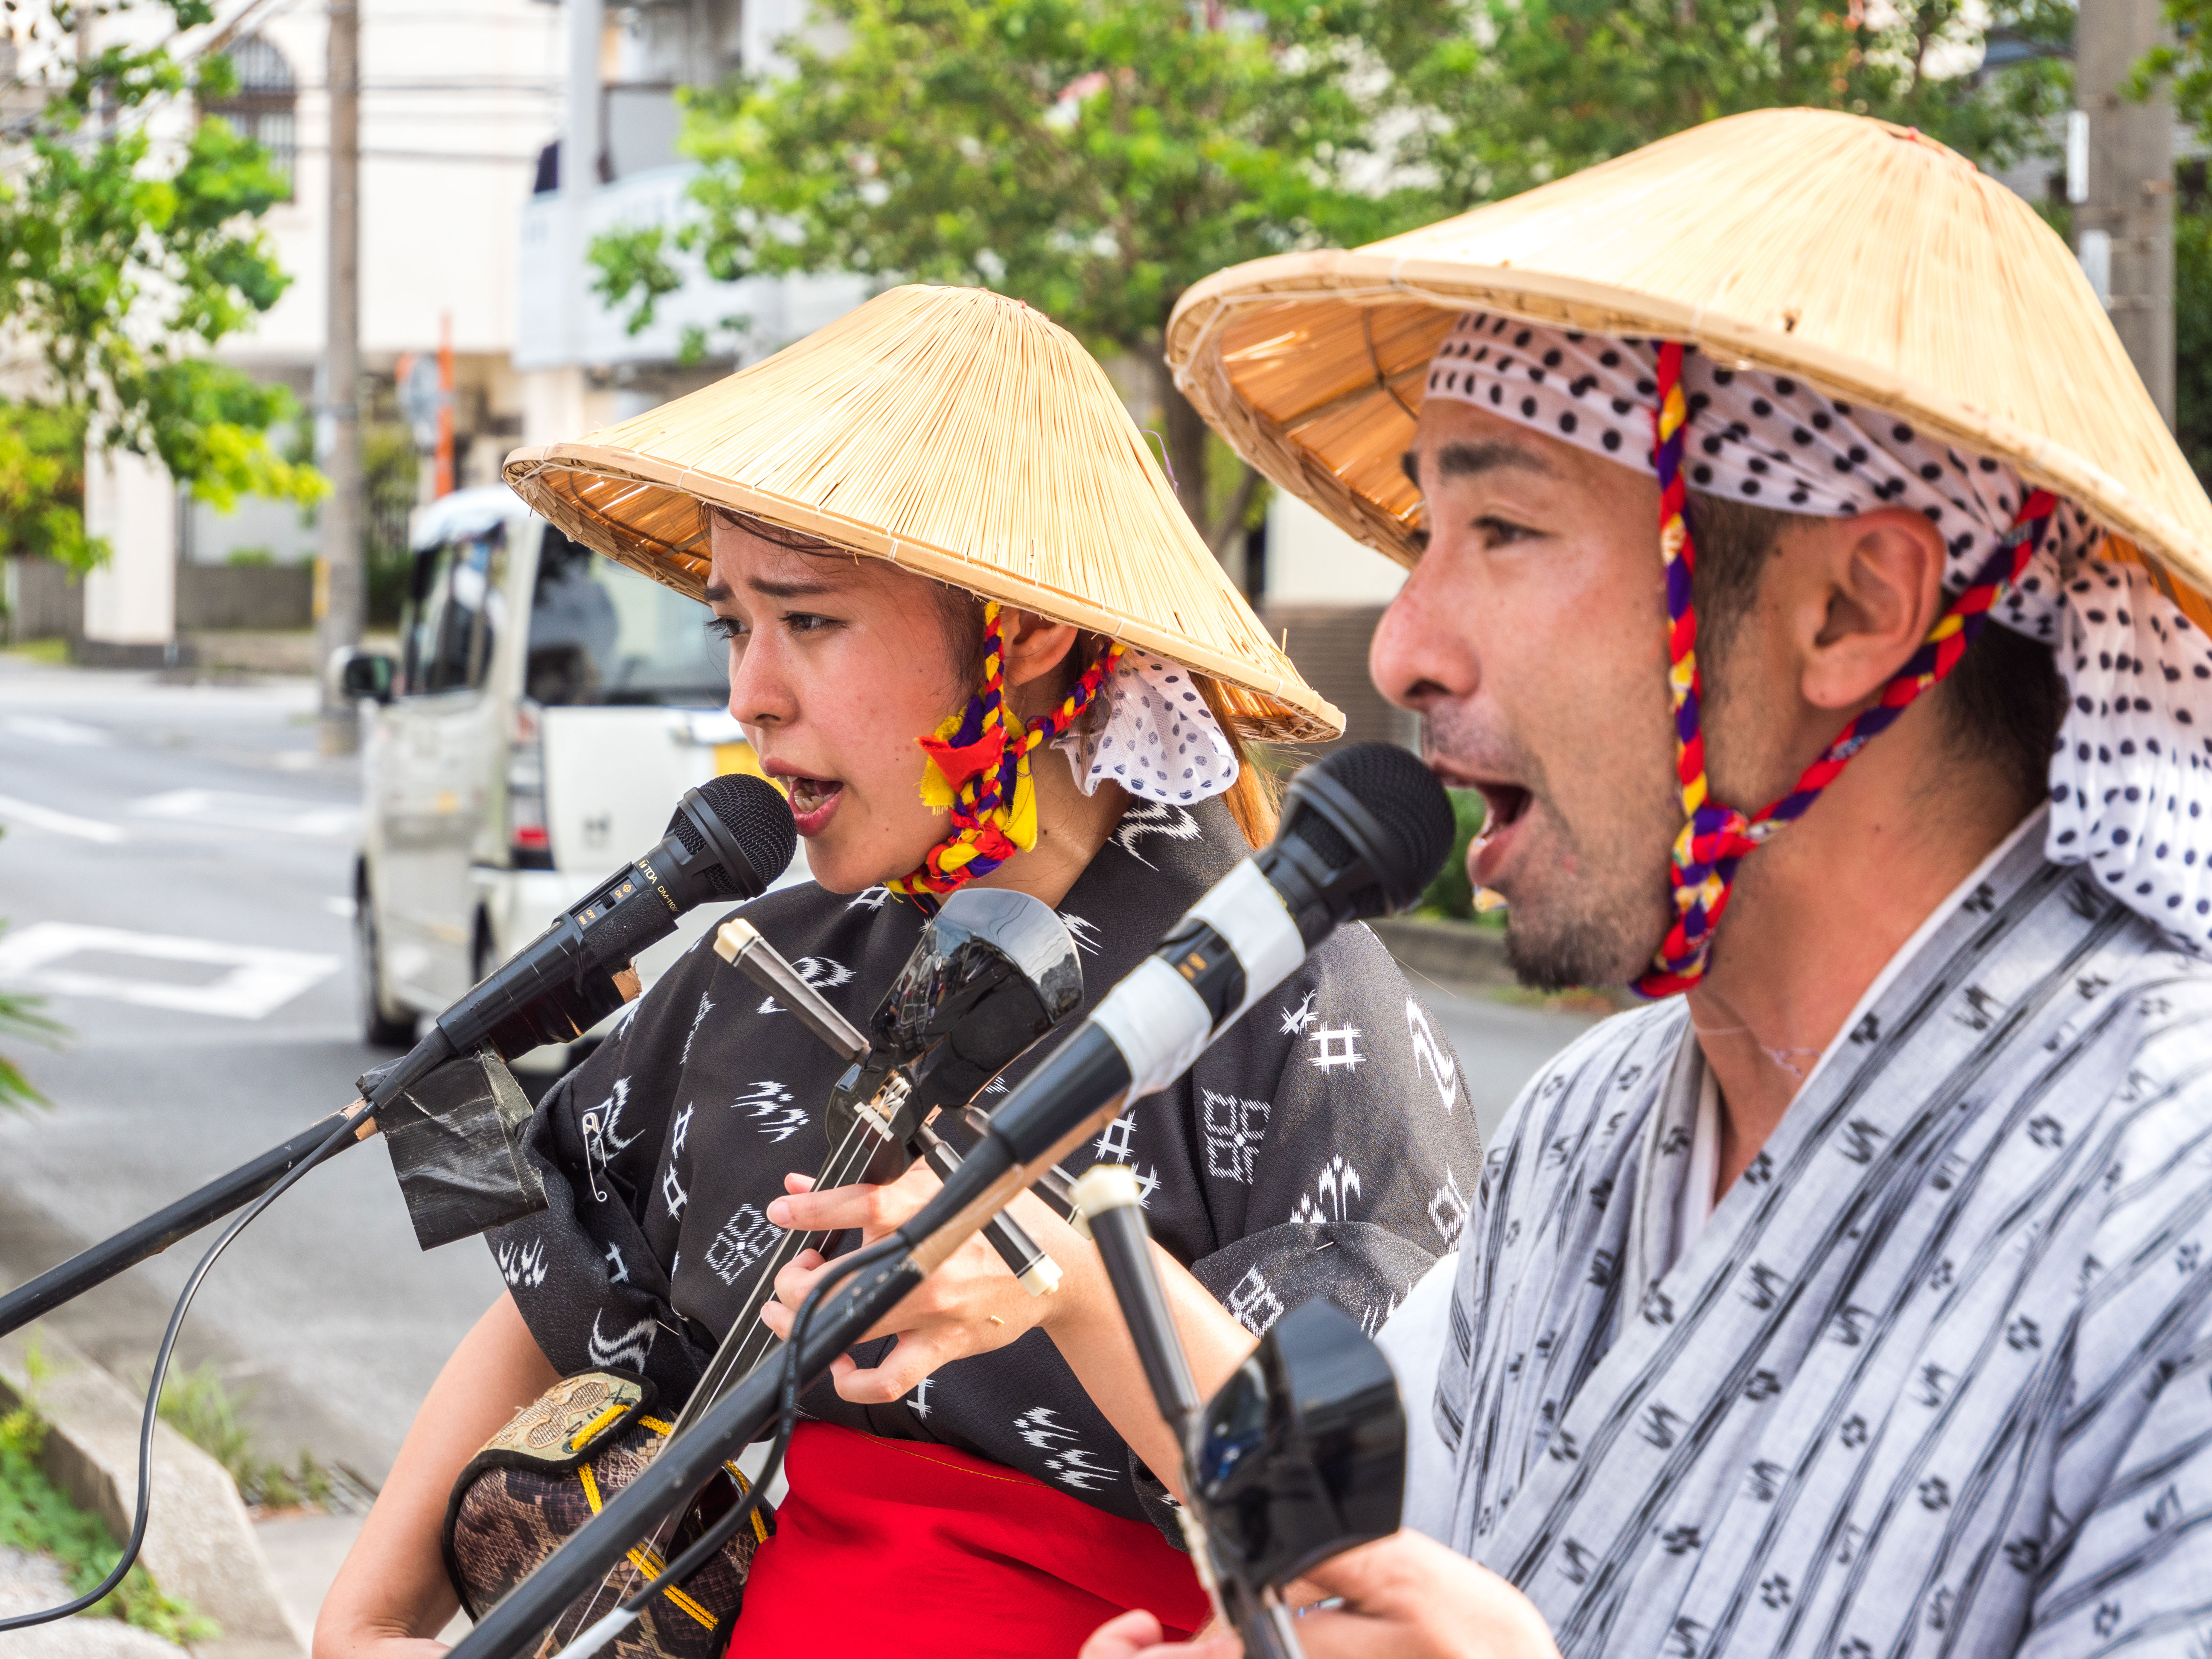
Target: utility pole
2123,212
338,612
581,146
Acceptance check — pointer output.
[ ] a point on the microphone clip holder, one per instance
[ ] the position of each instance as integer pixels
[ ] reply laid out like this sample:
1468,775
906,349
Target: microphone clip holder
1299,1455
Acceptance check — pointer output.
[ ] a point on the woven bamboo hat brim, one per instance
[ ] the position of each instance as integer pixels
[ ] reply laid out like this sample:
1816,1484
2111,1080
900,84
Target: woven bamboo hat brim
1860,256
952,431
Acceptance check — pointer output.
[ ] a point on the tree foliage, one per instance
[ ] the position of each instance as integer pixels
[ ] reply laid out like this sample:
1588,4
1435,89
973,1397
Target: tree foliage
2184,67
124,258
1097,157
1536,89
1094,159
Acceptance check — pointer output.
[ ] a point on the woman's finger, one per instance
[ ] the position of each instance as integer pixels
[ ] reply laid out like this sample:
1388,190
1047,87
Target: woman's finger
915,1355
796,1278
1124,1638
831,1211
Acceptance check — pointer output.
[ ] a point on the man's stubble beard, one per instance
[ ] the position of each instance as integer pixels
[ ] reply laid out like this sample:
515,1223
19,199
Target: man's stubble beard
1603,925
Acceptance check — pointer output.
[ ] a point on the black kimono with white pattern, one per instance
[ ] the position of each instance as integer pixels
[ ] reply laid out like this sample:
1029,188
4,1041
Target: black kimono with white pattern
1324,1147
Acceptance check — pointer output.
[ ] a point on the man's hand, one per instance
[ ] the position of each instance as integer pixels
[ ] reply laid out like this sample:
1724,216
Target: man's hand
1406,1597
971,1305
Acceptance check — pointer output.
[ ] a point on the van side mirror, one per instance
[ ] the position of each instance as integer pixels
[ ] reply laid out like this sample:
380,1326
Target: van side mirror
364,673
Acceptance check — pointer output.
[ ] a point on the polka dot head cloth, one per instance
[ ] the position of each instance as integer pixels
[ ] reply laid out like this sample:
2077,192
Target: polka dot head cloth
2131,777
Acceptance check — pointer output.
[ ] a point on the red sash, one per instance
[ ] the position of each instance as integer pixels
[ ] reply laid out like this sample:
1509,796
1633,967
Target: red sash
894,1547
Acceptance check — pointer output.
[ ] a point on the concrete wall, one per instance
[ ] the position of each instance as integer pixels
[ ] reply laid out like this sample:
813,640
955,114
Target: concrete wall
265,597
1329,643
1312,561
131,602
44,602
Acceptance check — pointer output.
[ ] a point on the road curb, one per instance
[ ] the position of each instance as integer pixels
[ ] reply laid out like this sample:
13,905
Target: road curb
1450,950
199,1544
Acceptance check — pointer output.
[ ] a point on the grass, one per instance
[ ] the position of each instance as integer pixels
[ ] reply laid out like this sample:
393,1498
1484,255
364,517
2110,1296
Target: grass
200,1406
54,653
35,1516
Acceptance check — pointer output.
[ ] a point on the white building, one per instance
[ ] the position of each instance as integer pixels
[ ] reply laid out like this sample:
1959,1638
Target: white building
579,364
458,100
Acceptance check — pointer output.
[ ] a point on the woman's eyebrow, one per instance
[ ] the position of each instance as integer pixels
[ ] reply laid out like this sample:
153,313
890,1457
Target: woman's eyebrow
789,590
719,592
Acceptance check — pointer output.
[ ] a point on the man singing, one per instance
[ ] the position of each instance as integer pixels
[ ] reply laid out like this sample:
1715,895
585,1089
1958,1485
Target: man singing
1854,1298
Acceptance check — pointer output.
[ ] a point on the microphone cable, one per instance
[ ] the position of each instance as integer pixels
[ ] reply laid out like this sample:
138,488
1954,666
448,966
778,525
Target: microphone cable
99,1592
702,1549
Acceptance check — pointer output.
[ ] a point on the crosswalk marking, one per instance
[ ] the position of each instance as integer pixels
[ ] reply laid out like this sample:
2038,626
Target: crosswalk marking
224,809
32,816
45,728
257,980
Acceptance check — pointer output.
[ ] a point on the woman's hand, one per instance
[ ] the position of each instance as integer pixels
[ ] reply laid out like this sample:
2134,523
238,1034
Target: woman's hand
971,1305
1405,1597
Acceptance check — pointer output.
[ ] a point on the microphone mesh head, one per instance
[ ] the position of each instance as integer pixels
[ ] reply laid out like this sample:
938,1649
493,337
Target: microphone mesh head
1406,801
757,818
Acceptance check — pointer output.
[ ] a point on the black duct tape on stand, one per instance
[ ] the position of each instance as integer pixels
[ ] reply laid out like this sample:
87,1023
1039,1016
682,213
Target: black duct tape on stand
456,1141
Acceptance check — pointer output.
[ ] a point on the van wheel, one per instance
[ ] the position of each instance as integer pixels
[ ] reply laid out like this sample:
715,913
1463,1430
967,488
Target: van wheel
379,1029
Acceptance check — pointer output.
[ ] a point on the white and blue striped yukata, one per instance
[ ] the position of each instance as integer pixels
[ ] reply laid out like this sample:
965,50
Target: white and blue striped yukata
1935,1377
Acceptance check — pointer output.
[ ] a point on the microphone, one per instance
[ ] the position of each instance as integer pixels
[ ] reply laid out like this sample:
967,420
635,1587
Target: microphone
728,839
1362,833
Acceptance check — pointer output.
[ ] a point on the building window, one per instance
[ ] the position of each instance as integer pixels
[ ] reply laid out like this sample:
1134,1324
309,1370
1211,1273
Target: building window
264,105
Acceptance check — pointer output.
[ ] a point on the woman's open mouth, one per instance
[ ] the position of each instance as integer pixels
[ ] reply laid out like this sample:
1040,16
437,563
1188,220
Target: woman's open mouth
1508,805
812,801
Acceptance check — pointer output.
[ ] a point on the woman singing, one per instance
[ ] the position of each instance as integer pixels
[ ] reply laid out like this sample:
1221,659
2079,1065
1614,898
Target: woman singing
933,520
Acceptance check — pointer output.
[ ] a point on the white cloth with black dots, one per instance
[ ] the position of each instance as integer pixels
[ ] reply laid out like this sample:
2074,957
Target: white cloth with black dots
1152,733
2131,776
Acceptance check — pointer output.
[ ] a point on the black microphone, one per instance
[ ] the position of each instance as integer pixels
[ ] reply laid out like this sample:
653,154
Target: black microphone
1362,833
729,838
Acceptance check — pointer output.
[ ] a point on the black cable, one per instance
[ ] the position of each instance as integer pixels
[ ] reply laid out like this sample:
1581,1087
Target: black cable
338,1137
703,1547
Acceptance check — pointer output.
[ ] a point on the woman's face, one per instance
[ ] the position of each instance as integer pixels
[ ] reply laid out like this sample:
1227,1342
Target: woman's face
837,666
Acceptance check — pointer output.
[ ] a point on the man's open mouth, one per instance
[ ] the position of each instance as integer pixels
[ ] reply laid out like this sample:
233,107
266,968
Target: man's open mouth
1505,802
1508,803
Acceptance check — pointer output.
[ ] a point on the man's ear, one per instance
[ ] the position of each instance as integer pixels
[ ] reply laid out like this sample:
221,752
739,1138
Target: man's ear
1881,590
1035,645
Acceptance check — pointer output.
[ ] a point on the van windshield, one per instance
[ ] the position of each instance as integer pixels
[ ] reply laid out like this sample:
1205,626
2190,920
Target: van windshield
600,632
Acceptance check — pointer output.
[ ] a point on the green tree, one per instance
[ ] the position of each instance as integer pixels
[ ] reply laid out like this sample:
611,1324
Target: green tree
124,258
1539,88
2192,339
1093,157
1097,157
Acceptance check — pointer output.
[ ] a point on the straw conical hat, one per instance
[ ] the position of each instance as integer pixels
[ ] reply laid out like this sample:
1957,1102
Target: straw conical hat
1863,257
953,431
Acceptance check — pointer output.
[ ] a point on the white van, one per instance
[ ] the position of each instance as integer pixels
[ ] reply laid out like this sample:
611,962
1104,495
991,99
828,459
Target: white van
547,708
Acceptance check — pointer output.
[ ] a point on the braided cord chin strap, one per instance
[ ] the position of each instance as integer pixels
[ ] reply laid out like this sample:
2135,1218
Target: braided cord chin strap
1715,839
979,770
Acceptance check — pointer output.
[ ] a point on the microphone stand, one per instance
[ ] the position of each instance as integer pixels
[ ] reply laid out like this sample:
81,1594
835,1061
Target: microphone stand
96,1266
1112,1213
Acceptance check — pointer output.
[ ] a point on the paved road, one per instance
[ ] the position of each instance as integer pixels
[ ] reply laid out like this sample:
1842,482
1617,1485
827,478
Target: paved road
175,871
211,1018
